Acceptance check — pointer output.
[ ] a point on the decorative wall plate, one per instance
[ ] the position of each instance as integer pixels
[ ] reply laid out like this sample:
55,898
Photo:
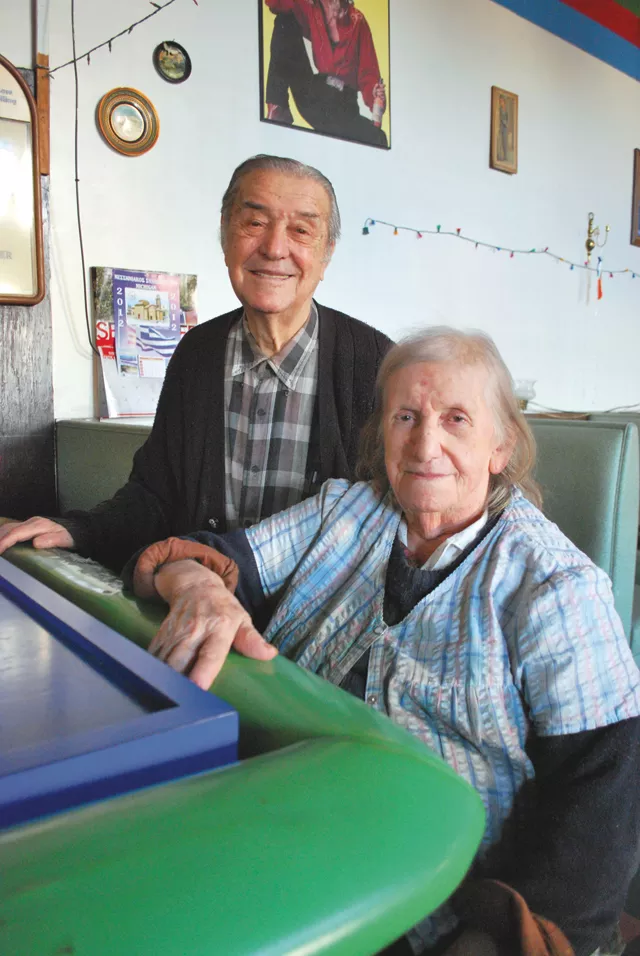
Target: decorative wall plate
128,121
172,62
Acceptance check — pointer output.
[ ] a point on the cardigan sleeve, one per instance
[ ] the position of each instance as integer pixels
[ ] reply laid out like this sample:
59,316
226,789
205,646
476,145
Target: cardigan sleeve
142,510
578,846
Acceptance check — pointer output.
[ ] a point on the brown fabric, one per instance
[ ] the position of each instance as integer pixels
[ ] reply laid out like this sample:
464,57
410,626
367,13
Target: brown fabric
175,549
496,909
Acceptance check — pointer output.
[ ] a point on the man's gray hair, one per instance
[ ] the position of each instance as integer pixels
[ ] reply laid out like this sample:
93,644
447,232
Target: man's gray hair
291,167
444,344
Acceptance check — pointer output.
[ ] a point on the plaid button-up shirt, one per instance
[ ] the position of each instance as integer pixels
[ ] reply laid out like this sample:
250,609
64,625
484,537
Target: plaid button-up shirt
268,415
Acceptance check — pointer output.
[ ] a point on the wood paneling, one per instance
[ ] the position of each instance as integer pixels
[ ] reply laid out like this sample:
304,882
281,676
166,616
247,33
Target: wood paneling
27,470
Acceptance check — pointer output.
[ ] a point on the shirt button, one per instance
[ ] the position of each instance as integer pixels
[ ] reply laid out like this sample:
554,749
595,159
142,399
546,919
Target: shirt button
261,412
372,699
379,629
213,522
255,469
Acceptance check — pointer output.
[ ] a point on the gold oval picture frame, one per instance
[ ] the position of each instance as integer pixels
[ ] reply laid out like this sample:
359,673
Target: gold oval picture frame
128,121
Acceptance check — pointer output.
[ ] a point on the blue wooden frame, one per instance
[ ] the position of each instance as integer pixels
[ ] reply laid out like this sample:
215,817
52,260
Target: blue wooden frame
185,730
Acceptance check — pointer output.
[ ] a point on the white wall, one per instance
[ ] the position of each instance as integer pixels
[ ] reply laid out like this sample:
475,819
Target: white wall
16,32
579,124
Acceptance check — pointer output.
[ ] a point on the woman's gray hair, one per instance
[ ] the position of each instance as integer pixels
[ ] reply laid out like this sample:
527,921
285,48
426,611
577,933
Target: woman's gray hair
291,167
444,344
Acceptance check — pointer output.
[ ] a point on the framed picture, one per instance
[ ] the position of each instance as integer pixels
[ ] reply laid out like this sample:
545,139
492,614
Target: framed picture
635,201
172,62
21,257
504,131
324,68
85,714
128,121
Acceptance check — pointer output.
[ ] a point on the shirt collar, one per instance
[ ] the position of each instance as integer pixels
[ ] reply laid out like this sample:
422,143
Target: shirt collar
288,364
447,552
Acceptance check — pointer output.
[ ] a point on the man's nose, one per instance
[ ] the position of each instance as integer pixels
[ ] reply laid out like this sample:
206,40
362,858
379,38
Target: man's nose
275,243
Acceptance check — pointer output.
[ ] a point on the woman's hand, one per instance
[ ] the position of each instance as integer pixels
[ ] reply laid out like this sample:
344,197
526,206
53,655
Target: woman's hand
204,622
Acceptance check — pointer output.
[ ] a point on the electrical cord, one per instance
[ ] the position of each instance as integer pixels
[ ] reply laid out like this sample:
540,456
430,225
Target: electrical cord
80,238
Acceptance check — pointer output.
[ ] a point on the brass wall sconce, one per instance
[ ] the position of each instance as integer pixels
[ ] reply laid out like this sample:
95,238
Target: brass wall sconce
593,232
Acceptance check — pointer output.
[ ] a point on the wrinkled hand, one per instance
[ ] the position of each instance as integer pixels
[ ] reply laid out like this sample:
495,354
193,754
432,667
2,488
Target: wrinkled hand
204,622
42,532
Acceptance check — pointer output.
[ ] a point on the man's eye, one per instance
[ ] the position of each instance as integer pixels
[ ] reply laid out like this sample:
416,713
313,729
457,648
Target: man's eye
458,419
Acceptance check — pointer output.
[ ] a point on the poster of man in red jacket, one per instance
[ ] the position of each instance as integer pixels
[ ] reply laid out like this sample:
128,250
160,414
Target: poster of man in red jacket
325,67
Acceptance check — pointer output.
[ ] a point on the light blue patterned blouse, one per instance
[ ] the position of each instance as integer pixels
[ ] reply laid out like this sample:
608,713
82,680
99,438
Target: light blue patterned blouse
522,636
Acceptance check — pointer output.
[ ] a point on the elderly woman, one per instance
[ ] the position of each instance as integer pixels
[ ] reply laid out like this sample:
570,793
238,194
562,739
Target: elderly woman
440,593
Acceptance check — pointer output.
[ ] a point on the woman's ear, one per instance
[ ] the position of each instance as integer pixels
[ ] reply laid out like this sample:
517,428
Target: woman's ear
501,455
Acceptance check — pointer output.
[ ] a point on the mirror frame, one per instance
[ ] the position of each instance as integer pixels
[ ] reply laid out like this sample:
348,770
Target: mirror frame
38,296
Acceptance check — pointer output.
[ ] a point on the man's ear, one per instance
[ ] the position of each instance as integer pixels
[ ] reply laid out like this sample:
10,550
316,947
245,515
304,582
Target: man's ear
223,239
327,258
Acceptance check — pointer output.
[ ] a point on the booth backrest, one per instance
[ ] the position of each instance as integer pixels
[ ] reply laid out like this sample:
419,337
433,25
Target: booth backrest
94,459
588,471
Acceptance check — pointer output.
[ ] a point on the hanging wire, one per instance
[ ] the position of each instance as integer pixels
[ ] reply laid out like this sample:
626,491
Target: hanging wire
84,269
87,54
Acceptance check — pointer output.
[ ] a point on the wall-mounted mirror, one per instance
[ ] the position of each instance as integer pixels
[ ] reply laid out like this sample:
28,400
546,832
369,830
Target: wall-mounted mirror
21,259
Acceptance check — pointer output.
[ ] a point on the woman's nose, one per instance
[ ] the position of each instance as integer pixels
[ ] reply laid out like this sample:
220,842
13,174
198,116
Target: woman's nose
426,441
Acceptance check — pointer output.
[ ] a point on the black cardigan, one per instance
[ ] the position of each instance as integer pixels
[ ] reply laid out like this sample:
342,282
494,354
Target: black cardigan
176,485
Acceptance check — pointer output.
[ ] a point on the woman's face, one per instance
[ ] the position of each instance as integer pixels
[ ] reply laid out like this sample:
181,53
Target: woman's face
440,440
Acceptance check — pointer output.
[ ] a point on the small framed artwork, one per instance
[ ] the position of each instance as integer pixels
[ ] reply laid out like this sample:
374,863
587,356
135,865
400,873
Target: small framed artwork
325,68
172,62
635,207
504,131
128,121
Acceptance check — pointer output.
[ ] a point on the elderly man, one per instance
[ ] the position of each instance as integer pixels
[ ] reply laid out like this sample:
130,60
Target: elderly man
441,595
260,405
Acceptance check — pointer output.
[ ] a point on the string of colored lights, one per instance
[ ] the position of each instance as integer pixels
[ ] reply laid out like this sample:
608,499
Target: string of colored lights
87,56
458,234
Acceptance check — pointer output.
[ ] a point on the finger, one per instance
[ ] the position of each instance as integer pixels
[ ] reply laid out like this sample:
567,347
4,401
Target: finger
21,531
211,656
182,656
251,643
54,539
165,640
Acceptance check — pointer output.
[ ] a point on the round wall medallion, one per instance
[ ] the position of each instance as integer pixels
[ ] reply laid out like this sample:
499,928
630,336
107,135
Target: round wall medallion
172,62
128,121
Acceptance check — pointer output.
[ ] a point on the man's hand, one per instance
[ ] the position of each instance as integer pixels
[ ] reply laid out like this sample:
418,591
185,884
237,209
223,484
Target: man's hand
42,532
205,620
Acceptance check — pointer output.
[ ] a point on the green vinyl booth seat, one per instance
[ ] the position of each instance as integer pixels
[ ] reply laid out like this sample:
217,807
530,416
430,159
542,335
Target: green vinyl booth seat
588,471
335,833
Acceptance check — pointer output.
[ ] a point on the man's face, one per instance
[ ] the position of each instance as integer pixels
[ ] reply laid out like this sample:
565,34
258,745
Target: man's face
440,440
276,247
